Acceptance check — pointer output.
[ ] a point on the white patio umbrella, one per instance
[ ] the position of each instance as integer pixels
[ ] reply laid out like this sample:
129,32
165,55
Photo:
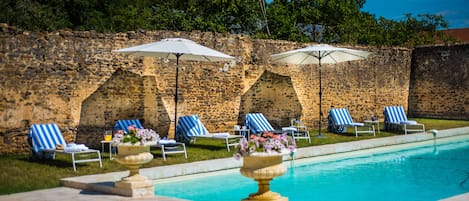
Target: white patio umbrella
320,54
179,49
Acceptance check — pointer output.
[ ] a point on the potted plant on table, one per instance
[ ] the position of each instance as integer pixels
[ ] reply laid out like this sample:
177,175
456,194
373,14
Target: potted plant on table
133,151
263,160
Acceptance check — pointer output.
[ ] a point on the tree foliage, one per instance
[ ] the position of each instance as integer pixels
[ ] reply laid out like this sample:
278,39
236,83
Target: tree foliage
322,21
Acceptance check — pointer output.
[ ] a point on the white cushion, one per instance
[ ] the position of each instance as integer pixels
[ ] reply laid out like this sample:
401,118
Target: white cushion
221,134
166,141
408,122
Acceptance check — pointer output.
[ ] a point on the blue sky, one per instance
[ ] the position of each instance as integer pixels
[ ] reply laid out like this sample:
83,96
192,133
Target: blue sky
456,12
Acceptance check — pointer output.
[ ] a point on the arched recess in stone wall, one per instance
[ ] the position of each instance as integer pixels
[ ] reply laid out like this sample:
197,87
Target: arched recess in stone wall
274,96
125,95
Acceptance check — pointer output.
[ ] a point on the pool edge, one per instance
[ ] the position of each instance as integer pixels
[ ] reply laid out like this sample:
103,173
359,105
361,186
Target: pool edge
102,182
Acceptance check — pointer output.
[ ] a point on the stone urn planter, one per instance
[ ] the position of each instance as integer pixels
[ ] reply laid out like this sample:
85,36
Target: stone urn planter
133,157
263,168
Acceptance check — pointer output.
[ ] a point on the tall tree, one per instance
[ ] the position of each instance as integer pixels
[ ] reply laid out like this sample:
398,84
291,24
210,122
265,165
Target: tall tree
322,21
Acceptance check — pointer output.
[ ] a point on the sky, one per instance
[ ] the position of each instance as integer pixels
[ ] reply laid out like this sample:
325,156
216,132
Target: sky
456,12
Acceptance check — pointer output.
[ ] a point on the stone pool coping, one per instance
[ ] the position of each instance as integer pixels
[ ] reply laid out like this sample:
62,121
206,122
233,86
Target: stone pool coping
104,183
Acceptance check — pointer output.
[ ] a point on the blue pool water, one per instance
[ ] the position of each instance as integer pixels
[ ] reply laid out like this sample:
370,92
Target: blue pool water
431,172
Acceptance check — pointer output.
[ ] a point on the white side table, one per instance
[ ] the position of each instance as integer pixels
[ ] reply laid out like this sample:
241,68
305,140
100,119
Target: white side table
373,122
110,147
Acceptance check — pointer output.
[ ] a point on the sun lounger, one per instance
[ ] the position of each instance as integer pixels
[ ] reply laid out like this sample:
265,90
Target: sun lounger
189,128
171,147
46,140
166,146
339,119
257,123
395,118
123,124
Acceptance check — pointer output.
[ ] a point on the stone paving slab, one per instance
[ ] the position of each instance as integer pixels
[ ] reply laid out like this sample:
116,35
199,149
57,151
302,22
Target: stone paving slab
100,187
65,193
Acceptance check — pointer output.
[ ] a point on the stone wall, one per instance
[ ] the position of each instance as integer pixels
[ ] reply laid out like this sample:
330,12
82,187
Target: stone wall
439,86
75,79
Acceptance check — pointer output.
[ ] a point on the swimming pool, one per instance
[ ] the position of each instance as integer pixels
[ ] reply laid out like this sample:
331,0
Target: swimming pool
430,172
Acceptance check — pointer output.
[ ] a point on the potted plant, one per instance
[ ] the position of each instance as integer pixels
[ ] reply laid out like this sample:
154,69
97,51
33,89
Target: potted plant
263,160
133,151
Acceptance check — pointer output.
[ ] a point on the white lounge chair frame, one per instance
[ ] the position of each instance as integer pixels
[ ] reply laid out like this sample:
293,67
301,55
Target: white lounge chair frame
342,117
172,148
395,115
191,127
45,138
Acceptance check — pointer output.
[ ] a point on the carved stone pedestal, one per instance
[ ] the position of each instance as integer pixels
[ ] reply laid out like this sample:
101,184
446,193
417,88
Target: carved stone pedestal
263,168
135,185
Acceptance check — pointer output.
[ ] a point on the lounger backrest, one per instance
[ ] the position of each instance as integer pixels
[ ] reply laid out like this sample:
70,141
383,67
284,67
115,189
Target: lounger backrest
341,116
123,124
189,126
394,114
257,123
45,136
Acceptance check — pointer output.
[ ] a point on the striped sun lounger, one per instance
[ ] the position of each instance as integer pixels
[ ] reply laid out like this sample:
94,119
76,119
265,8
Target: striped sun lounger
189,128
257,123
395,118
166,146
339,119
45,138
123,124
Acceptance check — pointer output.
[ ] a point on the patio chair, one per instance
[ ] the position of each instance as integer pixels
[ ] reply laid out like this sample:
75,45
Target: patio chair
47,140
299,130
257,123
339,119
123,124
189,128
396,119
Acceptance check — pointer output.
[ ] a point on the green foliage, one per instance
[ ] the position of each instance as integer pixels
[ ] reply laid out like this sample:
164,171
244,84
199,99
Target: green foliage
322,21
35,15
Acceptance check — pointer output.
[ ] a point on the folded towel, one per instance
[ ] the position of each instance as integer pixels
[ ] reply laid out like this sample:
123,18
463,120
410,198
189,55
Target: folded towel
166,141
286,129
72,147
59,147
409,122
357,124
221,134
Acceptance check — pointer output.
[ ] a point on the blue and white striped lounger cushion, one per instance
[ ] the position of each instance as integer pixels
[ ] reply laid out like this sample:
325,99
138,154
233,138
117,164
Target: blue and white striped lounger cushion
188,127
45,137
257,123
341,117
123,124
396,115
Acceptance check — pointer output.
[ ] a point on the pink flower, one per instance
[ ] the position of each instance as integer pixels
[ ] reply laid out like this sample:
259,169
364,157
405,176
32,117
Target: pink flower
268,142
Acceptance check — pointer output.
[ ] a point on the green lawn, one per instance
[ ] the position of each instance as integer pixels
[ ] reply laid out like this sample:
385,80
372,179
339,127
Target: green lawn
19,174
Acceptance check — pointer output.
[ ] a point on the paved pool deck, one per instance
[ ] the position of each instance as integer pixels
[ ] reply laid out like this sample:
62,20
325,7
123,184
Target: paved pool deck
100,187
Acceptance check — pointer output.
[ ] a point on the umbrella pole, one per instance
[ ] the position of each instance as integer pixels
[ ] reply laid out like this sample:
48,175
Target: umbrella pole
319,135
176,94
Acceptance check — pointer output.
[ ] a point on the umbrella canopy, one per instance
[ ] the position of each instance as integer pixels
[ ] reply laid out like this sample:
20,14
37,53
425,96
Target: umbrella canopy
318,54
178,49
